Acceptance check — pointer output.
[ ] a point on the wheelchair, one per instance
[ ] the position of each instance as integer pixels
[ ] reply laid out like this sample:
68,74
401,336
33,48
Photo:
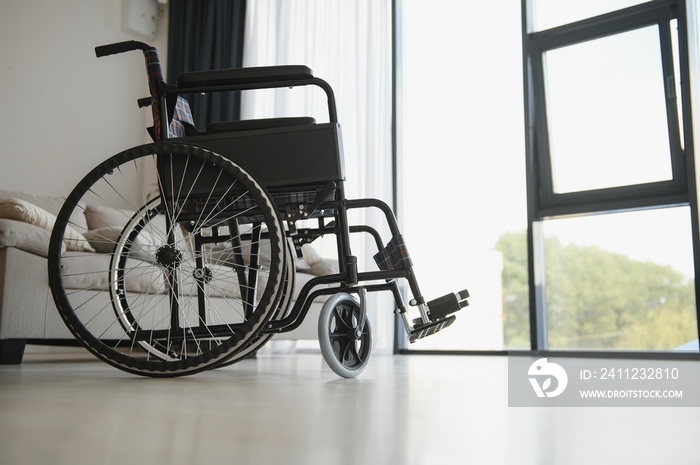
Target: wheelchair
177,256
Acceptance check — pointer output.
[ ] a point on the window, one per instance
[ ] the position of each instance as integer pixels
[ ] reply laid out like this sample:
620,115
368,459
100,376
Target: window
552,13
620,281
612,221
606,113
605,105
461,167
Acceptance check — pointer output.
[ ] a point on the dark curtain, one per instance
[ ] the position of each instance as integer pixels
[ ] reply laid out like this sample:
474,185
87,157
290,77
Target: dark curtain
205,35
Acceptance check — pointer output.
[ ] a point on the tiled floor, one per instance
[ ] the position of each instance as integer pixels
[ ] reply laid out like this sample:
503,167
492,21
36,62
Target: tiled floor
63,407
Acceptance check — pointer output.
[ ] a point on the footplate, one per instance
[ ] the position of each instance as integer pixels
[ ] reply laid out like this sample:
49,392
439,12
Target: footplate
423,330
447,304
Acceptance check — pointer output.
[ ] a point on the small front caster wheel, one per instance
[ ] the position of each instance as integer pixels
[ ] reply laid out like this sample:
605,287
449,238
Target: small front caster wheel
345,347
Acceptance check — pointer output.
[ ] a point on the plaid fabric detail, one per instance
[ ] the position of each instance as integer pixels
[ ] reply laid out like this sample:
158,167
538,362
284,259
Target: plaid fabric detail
176,129
230,204
181,115
155,75
182,111
394,256
242,207
215,210
294,198
153,65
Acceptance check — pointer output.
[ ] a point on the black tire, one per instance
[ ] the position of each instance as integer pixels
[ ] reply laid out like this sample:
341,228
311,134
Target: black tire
165,292
344,352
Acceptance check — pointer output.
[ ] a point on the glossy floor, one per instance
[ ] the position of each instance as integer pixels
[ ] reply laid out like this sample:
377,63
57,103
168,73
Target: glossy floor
63,407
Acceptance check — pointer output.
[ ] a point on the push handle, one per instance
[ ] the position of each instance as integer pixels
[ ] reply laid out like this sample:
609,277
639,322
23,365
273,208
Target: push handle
120,47
155,78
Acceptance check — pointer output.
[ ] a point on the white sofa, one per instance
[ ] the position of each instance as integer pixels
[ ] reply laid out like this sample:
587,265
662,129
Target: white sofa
27,311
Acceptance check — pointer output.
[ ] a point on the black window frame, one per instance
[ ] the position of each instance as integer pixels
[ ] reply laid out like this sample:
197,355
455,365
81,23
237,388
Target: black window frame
550,203
543,202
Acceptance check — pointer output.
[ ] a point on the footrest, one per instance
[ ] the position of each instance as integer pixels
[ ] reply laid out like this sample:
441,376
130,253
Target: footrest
447,304
423,330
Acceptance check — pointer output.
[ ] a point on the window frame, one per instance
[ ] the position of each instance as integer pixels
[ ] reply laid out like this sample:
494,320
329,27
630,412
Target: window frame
543,201
681,190
550,203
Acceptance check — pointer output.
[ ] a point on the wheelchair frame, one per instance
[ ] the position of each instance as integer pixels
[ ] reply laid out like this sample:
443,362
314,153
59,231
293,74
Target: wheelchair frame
300,166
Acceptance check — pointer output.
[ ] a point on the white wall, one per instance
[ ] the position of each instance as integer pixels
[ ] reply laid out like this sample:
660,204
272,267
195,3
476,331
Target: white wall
62,110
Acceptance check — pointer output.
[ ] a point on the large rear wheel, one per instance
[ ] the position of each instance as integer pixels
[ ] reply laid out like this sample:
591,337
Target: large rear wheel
166,260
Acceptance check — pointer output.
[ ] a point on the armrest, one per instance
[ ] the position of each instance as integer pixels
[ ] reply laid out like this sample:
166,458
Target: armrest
236,76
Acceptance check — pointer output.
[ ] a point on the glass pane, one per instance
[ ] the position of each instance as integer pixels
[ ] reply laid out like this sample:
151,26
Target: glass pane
462,166
606,113
621,281
552,13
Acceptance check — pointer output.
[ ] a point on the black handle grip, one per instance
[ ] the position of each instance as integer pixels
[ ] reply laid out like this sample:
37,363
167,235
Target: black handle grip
120,47
145,102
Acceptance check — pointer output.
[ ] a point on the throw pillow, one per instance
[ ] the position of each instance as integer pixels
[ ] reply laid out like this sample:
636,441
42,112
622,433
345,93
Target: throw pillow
21,210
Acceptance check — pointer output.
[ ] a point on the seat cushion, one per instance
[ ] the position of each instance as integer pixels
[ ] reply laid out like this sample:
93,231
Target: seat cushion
24,236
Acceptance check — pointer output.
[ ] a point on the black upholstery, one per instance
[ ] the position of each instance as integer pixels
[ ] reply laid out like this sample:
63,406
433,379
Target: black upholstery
237,76
252,124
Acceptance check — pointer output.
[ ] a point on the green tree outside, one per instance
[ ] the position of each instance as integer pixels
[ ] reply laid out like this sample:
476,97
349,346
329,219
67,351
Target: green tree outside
597,299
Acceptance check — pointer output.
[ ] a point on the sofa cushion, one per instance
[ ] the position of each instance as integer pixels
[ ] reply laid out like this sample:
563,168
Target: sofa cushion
91,272
105,224
324,267
311,257
22,210
99,216
24,236
104,240
50,204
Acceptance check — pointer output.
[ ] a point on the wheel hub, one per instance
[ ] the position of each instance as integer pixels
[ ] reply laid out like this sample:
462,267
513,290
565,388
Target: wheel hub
203,275
168,256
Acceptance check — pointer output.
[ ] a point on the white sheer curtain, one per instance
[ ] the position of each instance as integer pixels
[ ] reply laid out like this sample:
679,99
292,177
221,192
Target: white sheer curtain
348,44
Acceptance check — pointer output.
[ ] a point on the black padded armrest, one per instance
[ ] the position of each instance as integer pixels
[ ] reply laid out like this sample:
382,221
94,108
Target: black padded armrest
236,76
265,123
